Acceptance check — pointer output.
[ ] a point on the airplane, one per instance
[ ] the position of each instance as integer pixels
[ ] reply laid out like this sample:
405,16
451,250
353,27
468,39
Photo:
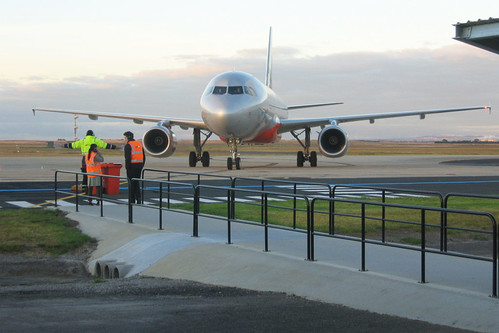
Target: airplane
240,109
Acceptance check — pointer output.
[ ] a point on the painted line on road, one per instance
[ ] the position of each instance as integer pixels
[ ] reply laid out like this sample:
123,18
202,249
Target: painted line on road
258,186
22,204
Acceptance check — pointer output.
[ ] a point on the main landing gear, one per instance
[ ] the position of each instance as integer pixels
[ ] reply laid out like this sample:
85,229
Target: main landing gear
306,154
199,154
235,160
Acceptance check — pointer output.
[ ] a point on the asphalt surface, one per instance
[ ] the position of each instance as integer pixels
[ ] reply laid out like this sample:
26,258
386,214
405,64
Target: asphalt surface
31,194
152,304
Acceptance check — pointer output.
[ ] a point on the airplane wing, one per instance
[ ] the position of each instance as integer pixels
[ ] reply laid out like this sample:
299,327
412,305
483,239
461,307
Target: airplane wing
288,125
303,106
138,119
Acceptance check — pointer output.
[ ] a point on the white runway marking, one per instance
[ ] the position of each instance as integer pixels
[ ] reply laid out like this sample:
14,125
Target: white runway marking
311,191
22,204
346,192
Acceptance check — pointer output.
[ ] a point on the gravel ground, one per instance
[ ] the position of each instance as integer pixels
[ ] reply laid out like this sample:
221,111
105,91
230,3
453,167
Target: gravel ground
49,294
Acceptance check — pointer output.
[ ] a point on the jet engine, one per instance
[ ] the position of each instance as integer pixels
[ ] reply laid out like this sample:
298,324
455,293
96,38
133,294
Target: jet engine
333,141
159,141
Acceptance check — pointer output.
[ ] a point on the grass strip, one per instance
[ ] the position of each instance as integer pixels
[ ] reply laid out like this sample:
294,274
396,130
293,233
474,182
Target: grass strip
347,215
38,232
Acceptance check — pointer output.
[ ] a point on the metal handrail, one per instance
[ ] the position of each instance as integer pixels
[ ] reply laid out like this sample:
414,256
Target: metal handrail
295,185
383,199
311,211
423,225
185,173
231,212
161,184
446,205
77,195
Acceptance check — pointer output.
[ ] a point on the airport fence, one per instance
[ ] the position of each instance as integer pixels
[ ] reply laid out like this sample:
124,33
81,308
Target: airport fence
76,190
307,210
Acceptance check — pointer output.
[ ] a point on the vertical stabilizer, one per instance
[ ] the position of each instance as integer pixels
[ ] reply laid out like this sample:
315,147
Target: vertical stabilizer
268,74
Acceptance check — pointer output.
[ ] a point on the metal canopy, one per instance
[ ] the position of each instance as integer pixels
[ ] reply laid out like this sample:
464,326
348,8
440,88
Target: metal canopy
482,33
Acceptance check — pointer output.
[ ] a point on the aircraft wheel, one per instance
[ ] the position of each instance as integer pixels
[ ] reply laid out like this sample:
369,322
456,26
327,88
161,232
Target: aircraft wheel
192,159
229,163
300,158
238,163
313,159
205,159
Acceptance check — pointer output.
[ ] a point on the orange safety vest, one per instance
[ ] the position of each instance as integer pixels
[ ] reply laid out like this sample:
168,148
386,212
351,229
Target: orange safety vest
92,166
137,154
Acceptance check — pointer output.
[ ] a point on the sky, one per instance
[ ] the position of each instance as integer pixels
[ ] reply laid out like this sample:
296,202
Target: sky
155,58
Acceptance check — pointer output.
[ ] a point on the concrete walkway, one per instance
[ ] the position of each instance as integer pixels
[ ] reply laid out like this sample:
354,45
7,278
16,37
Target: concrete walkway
457,292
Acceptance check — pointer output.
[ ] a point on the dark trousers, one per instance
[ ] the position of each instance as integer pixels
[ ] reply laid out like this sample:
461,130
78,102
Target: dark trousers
134,171
84,169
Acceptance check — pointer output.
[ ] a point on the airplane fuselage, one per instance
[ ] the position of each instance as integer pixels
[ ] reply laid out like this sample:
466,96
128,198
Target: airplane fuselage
237,106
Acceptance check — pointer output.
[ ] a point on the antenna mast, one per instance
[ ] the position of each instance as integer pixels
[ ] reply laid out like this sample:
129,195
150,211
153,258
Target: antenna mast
75,127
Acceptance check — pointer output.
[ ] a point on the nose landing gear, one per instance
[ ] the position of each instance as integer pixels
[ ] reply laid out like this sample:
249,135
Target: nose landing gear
199,154
235,159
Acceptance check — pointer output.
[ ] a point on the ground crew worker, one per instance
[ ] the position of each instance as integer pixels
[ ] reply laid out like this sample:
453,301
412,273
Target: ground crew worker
134,162
93,161
84,144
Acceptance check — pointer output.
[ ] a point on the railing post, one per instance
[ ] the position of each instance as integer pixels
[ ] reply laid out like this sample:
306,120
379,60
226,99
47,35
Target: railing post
230,215
130,208
332,210
55,189
262,203
266,224
294,206
161,206
423,246
443,226
383,218
142,191
363,243
100,197
76,190
195,221
169,190
494,256
310,229
443,223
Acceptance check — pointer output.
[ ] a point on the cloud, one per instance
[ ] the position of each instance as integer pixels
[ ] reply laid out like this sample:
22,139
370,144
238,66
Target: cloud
367,82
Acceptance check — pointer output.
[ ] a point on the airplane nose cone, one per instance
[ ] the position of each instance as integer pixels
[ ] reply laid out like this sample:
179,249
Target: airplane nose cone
230,117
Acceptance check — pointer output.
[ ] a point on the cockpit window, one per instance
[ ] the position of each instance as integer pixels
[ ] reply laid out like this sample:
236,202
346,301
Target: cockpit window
232,90
249,91
235,90
219,90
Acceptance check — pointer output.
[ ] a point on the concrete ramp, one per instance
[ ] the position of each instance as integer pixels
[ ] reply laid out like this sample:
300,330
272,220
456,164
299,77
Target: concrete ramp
141,253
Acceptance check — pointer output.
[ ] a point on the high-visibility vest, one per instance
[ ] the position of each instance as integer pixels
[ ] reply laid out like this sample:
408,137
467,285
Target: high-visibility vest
137,153
85,143
92,166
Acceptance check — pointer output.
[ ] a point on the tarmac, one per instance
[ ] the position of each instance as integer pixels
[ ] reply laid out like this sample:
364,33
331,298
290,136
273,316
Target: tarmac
42,168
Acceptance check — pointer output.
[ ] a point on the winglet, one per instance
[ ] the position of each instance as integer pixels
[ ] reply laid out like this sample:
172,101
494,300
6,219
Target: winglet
268,72
33,111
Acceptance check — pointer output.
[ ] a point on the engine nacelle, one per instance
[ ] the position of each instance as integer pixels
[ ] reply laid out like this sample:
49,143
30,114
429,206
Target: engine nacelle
159,141
333,141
